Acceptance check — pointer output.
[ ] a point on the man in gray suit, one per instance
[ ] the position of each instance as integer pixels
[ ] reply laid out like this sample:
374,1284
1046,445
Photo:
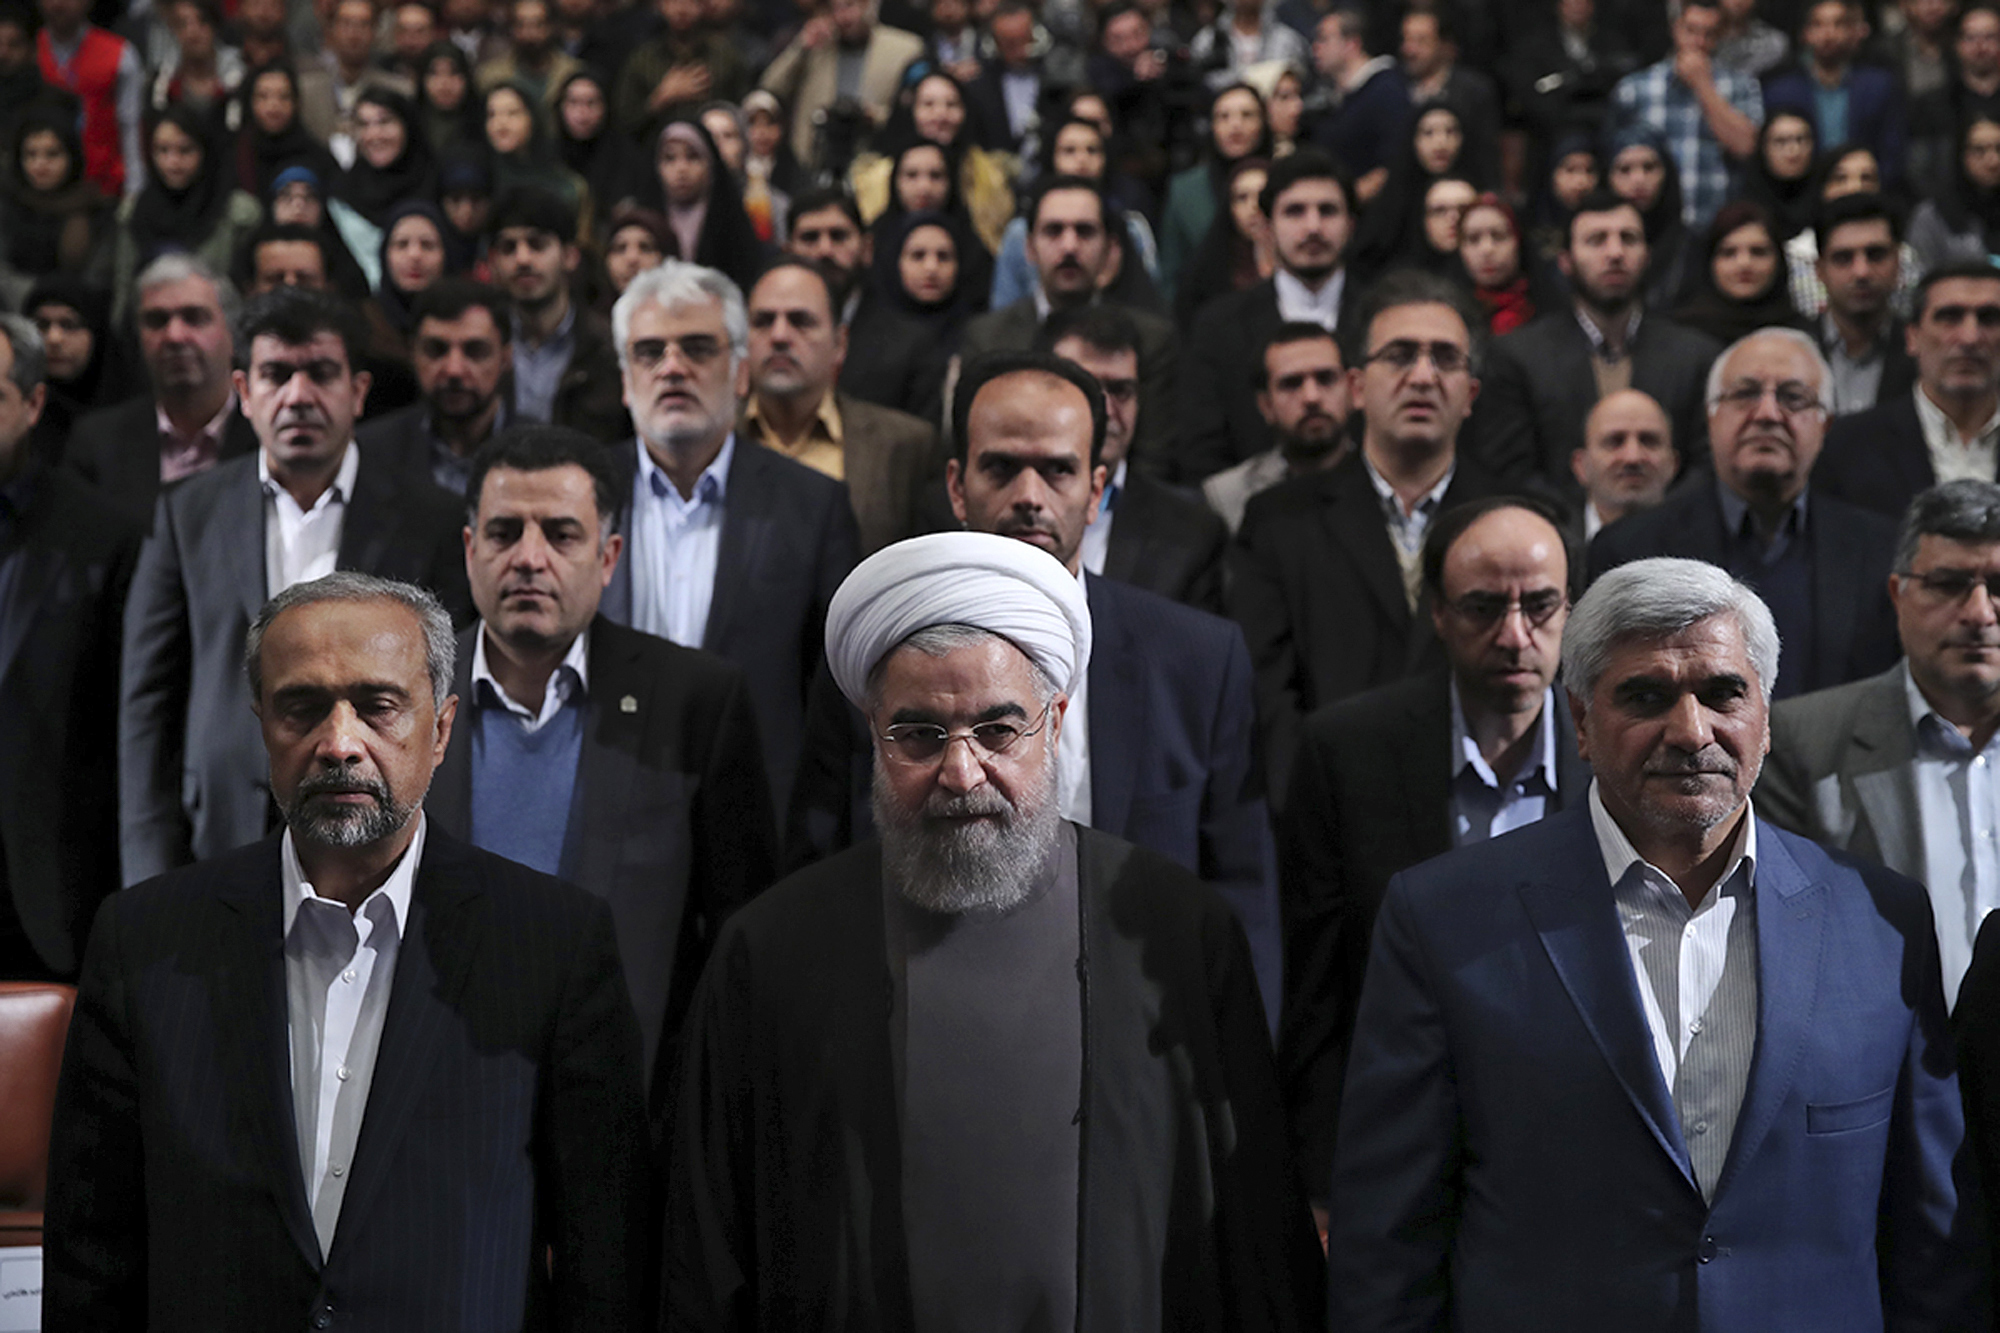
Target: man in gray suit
1900,768
193,777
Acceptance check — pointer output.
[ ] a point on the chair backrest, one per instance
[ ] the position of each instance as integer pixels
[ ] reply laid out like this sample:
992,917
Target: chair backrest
34,1023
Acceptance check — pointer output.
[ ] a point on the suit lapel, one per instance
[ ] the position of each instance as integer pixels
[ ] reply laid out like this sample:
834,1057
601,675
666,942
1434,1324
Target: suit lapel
746,524
237,526
370,518
1117,708
449,801
1884,777
1354,521
1572,773
607,776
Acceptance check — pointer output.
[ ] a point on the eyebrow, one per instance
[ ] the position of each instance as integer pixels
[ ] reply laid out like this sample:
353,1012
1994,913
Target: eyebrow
995,713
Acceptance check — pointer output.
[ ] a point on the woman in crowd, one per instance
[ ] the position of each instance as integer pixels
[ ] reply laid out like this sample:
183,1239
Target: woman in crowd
1232,256
1237,129
635,239
188,203
51,218
87,367
586,144
1962,222
1074,147
767,149
1493,259
935,110
270,136
766,208
392,159
1780,178
1391,231
1642,172
1573,173
523,157
704,209
297,198
1434,246
1284,92
917,302
1741,285
447,109
417,250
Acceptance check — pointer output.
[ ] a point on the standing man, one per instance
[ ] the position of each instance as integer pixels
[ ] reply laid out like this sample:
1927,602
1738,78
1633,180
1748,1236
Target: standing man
533,56
825,227
193,781
102,71
565,368
66,559
1626,461
1709,112
1365,102
894,1041
1859,240
1844,101
398,1075
729,546
1684,1069
463,354
841,52
331,87
797,348
1302,396
627,765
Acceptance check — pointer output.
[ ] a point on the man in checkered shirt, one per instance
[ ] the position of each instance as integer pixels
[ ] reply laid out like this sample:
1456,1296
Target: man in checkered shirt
1709,113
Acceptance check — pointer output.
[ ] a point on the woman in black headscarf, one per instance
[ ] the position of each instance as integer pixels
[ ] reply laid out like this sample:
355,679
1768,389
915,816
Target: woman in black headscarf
447,99
918,299
188,203
418,248
1574,171
702,204
1962,223
1781,176
392,159
1237,128
523,155
1741,286
1640,170
1440,144
87,367
51,217
269,135
591,147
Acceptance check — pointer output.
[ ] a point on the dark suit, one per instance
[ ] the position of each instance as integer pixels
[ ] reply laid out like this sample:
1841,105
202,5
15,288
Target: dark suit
1537,388
1876,116
1853,625
1899,368
1369,798
1315,584
1876,459
676,828
72,554
788,539
1220,425
591,396
504,1116
886,456
402,440
193,778
116,449
1167,542
1976,1022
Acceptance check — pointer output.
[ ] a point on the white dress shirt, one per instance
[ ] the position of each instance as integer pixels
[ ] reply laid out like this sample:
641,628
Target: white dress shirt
676,547
339,968
304,544
572,676
1954,458
1298,302
1096,544
1958,809
1073,750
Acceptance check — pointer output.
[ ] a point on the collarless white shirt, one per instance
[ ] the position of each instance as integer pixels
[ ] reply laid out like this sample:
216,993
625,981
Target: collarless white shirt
572,676
304,544
1296,301
1073,747
339,969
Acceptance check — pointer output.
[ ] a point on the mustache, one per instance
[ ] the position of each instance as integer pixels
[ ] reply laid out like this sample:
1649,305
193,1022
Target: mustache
333,782
980,801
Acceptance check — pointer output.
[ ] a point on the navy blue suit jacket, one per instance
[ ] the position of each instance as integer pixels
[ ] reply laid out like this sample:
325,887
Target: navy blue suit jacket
1876,115
1509,1156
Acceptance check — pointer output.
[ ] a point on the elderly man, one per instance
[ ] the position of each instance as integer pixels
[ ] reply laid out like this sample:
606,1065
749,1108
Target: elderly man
190,421
1818,562
353,1034
1302,394
1652,1062
895,1040
1626,459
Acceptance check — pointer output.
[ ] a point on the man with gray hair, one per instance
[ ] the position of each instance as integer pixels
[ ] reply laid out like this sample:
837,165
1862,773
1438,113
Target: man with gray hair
1654,1062
400,1075
1818,562
191,419
1062,1112
729,547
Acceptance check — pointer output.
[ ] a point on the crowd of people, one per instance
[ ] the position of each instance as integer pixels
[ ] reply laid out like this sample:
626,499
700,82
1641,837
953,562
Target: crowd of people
1006,663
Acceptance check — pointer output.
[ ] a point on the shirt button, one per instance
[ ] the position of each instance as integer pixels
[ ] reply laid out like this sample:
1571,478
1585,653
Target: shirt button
341,1073
348,975
339,1170
1701,1127
1694,1029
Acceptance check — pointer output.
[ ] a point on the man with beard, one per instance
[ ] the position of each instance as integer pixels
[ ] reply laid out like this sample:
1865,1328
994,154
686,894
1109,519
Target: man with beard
1859,243
565,368
1302,396
1822,567
462,355
193,781
533,57
398,1074
1541,380
826,228
976,1069
1626,461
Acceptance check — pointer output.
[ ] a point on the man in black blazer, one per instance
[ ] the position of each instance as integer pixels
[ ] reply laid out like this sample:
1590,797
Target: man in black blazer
730,546
636,759
66,557
191,420
1406,772
1541,380
193,780
1146,533
1882,458
1324,572
1860,240
1309,204
462,351
1821,564
359,1073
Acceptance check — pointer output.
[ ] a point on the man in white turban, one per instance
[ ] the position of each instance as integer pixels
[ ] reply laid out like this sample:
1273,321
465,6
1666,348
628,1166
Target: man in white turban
995,1070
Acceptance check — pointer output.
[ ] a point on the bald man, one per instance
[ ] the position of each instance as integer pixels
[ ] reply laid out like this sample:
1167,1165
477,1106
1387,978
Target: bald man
1627,458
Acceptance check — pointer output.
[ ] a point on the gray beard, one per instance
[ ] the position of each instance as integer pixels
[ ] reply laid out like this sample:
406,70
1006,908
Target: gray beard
988,866
347,826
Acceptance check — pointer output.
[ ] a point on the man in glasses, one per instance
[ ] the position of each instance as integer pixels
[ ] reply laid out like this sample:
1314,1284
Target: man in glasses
1400,774
730,547
1819,563
1948,427
967,1065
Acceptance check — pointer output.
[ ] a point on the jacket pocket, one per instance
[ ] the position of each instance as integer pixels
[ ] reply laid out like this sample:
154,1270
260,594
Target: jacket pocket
1841,1117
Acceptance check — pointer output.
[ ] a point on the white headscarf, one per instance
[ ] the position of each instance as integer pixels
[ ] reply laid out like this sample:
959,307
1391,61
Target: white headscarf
998,584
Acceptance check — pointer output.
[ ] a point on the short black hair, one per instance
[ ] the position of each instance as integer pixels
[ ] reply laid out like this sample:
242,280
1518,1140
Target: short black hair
1864,207
1600,199
449,298
1409,286
1438,13
534,208
804,265
1054,183
989,366
538,448
295,316
1100,324
280,233
1307,164
822,197
1287,333
1449,526
1963,270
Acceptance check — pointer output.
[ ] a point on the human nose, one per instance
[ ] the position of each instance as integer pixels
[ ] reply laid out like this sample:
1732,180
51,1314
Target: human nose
338,744
960,769
1688,728
1514,631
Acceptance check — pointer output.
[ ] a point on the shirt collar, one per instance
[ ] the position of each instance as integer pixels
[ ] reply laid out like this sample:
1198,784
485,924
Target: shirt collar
1937,426
212,431
712,487
576,662
826,417
1113,488
1393,504
343,482
1735,510
1834,343
1937,737
395,890
1620,855
1596,335
1465,750
1296,301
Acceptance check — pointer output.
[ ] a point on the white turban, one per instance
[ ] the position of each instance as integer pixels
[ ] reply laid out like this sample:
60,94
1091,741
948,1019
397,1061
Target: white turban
1006,587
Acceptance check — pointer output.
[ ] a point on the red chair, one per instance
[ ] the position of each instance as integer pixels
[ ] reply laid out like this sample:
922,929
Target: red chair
34,1023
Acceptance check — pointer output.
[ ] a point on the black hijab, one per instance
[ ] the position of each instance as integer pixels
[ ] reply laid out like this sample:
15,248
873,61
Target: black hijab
1963,205
727,241
608,161
41,231
394,301
1723,317
441,129
261,156
373,191
107,377
1792,203
885,271
164,219
1392,228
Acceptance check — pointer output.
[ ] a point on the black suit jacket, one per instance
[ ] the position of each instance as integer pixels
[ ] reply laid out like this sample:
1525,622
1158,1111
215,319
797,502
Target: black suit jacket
1975,1020
117,450
1315,584
1370,797
1876,459
58,674
504,1118
788,539
1854,627
1537,388
676,831
1167,542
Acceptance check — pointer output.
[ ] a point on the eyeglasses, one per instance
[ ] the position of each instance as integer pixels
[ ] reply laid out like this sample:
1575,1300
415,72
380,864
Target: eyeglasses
1794,398
917,744
1955,585
1403,354
696,349
1484,610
